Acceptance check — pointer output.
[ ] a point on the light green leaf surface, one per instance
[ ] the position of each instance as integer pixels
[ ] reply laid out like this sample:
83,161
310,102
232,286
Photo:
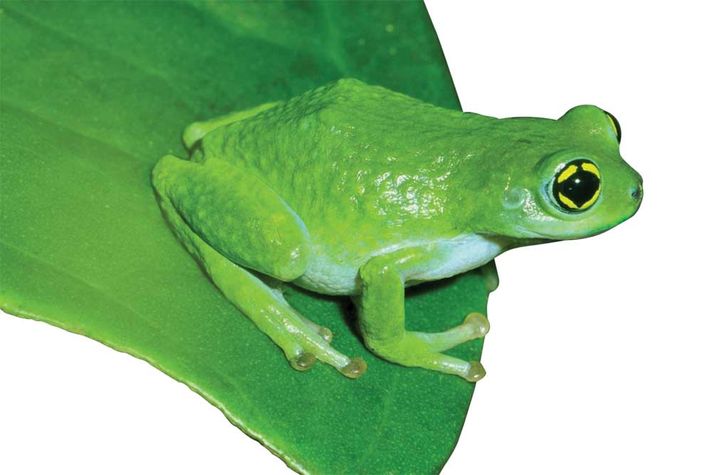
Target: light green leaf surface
92,94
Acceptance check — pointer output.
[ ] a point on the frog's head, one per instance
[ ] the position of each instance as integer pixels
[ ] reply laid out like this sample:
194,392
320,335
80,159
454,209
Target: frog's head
566,179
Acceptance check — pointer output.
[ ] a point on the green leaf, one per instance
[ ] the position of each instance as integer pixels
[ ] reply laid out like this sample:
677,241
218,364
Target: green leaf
92,95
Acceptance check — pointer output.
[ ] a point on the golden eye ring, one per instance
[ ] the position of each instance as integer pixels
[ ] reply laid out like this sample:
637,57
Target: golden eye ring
577,186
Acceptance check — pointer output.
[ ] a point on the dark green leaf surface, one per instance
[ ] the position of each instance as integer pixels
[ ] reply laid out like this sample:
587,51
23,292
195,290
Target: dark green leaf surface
92,95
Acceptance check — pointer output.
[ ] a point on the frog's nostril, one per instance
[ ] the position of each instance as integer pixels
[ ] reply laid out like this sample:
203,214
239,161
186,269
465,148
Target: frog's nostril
637,192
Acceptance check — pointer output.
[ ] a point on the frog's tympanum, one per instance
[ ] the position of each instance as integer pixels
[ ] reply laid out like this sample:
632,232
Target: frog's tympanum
352,189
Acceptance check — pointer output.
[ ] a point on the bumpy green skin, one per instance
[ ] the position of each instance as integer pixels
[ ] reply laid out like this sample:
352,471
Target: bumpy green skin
357,190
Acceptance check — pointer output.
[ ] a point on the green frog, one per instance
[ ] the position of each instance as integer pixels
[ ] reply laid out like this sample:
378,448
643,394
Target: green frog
353,189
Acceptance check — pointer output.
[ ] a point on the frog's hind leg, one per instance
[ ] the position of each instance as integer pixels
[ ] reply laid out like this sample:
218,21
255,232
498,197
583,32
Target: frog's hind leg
301,343
229,219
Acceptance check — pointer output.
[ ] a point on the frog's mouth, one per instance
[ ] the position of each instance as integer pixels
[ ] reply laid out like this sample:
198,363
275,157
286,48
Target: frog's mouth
528,234
588,226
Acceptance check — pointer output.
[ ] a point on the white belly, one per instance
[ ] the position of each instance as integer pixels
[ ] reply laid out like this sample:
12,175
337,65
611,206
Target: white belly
459,255
450,257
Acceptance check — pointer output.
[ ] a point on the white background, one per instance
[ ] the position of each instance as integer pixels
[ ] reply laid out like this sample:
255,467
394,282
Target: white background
600,351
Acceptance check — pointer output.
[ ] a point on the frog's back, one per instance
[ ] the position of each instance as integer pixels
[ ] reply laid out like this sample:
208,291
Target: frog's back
355,122
353,158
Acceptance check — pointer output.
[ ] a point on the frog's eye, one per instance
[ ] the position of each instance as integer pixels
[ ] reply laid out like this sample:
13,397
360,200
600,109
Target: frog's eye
615,125
577,186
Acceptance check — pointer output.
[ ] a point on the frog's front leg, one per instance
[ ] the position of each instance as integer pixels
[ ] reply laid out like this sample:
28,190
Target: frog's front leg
229,220
382,317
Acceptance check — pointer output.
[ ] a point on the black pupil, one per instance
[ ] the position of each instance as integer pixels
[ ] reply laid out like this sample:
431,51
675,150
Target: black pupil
579,187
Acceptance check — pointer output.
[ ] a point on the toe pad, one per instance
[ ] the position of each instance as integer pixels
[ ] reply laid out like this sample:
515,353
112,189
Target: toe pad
303,362
354,369
476,372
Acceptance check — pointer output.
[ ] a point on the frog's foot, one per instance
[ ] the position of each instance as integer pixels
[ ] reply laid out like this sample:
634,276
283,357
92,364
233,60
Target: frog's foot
324,332
304,343
475,326
353,369
410,350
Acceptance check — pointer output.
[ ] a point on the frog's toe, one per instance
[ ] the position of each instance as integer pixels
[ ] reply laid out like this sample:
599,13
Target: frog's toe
475,372
478,323
326,334
323,332
303,361
355,368
474,326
